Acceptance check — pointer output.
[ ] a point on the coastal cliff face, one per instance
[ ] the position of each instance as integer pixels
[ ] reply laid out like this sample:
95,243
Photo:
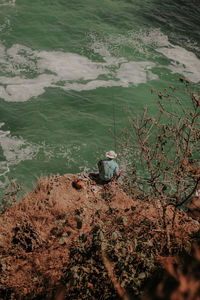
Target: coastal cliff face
74,239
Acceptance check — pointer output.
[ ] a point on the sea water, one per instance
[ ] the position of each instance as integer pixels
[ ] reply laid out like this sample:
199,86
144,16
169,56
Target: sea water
69,68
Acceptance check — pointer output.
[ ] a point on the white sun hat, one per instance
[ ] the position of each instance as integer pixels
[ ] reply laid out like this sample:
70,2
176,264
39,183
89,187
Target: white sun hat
111,154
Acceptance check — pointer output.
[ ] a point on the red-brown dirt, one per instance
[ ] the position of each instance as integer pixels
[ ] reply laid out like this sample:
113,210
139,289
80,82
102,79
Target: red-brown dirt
44,237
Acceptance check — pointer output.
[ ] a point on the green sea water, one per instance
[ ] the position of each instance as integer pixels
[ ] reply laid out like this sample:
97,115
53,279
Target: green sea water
68,67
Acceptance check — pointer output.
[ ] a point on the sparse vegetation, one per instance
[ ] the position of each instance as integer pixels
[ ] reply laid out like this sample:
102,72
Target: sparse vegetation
160,152
10,195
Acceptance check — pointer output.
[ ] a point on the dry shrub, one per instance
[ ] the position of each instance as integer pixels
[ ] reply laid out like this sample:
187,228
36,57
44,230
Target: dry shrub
179,280
160,152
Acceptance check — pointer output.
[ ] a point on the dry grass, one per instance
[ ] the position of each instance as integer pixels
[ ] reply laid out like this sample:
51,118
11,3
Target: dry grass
63,242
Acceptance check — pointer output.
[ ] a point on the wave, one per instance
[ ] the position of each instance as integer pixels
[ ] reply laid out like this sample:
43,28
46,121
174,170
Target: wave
14,150
34,71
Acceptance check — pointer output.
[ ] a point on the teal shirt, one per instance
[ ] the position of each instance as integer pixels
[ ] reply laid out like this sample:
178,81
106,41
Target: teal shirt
108,169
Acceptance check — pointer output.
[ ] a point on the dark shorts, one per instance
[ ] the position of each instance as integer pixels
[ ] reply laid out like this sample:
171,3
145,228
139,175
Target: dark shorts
97,179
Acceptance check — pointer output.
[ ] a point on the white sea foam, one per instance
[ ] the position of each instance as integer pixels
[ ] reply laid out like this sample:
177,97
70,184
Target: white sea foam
19,60
5,24
183,62
129,73
68,68
17,149
4,169
135,72
144,41
69,71
140,41
21,56
21,89
7,2
153,37
90,85
102,49
14,151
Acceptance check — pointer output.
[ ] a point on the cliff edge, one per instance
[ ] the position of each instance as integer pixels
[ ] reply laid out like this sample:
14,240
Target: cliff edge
74,239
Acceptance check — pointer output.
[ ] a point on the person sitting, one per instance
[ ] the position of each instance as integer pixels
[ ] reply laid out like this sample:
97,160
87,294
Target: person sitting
108,168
